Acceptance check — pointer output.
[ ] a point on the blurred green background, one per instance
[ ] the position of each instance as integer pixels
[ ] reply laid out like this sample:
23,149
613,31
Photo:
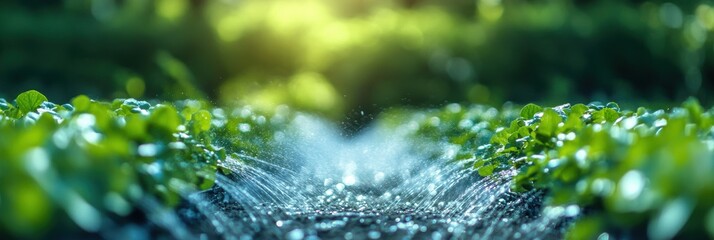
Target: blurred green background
349,59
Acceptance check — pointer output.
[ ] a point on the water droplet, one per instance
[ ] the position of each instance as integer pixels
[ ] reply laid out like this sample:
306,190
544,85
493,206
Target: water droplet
153,168
660,122
177,145
629,123
466,123
570,136
373,234
296,234
244,127
37,160
327,182
631,184
85,120
561,136
260,120
116,203
670,219
603,236
572,211
554,212
147,150
349,180
91,136
454,107
581,155
434,121
83,214
378,177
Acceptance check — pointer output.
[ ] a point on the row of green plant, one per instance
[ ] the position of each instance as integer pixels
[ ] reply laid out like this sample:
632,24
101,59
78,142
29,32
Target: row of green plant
87,164
630,172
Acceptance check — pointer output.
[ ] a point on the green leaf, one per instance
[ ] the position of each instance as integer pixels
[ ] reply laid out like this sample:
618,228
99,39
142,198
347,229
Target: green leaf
578,109
524,131
610,114
201,121
549,122
208,178
81,103
165,118
605,115
30,100
573,122
529,110
500,137
31,206
695,110
479,163
135,127
487,170
585,228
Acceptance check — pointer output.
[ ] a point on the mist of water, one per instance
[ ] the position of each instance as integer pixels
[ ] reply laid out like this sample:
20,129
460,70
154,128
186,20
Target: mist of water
374,185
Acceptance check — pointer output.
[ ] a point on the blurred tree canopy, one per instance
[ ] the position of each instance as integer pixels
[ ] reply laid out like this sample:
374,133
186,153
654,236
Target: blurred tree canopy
345,58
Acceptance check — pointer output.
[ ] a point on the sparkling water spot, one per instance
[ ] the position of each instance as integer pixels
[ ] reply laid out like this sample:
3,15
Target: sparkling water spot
379,177
631,184
349,180
244,127
147,150
321,185
296,234
374,234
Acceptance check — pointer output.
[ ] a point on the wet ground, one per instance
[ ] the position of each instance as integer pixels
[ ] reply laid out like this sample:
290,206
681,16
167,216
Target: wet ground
321,185
355,216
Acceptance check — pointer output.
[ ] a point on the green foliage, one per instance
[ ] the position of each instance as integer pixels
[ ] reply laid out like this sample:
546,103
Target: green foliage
644,170
110,157
529,110
549,123
74,165
29,101
92,160
201,121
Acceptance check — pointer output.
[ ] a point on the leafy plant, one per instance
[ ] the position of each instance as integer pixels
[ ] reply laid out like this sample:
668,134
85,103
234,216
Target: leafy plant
78,165
84,163
628,171
30,100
